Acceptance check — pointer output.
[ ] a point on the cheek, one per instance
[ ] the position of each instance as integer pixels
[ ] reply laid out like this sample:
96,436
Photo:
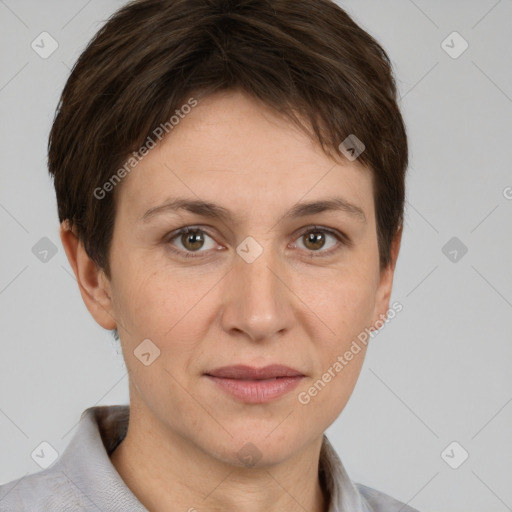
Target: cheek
344,310
170,308
340,355
342,303
160,307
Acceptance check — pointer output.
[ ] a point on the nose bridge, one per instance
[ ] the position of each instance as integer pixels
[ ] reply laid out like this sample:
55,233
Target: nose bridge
257,303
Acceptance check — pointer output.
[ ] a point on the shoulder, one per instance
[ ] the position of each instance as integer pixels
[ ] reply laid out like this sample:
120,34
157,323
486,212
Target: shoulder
380,502
44,491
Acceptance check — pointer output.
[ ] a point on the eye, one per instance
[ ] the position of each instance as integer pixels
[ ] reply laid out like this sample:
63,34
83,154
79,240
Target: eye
192,239
314,239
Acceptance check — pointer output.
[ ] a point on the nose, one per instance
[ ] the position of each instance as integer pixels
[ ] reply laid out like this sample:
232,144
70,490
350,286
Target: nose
256,299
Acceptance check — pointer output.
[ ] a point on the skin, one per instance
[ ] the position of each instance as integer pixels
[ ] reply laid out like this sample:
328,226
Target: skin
203,312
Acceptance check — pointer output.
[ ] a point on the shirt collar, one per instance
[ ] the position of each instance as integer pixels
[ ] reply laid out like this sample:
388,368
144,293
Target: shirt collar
86,463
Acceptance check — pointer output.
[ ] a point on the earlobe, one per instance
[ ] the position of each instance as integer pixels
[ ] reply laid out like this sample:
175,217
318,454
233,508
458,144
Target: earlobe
93,284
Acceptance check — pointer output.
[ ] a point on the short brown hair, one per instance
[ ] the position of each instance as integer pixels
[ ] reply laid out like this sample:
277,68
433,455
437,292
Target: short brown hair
297,56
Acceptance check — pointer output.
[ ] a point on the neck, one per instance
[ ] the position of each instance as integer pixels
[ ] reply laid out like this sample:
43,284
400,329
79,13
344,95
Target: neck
168,472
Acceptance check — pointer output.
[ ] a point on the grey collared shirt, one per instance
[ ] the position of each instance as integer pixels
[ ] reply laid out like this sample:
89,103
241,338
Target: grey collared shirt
84,479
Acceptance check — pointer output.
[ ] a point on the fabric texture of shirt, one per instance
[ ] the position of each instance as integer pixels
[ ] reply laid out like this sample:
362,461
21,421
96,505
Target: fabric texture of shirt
84,478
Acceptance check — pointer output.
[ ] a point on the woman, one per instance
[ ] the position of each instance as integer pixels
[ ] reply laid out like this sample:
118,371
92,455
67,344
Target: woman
230,185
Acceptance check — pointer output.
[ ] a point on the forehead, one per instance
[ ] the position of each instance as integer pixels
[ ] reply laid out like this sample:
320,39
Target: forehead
233,150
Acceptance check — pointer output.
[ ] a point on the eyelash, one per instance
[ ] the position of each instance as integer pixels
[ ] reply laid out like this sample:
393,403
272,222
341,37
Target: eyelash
342,239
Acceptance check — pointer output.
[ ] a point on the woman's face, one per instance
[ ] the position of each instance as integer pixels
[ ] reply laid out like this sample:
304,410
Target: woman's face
252,287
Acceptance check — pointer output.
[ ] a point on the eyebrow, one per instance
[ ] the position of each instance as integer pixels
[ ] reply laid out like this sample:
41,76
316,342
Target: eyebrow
215,211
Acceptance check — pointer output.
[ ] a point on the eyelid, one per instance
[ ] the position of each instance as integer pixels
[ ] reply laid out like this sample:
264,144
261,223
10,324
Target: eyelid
340,236
342,239
180,231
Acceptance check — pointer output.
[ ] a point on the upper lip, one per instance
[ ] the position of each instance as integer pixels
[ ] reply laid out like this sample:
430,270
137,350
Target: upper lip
248,372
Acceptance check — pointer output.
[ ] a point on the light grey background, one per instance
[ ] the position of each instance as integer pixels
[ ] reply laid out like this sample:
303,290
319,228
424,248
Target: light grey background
439,372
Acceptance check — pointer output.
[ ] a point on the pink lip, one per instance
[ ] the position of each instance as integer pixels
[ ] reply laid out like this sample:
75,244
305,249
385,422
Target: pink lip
241,371
256,385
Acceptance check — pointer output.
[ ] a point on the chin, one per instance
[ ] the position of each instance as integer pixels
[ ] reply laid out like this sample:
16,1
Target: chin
259,447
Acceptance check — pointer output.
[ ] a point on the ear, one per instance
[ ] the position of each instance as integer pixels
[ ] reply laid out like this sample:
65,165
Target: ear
386,280
93,284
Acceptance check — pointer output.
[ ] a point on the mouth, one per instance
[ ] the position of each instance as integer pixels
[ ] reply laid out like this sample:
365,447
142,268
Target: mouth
256,385
243,372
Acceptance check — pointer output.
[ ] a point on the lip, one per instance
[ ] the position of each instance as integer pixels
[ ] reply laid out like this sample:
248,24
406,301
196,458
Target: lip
256,385
241,371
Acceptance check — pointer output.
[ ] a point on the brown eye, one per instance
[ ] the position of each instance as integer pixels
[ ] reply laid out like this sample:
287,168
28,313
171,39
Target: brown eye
193,240
314,240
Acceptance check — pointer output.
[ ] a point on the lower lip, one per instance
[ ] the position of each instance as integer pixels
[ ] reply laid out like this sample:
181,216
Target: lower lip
257,391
